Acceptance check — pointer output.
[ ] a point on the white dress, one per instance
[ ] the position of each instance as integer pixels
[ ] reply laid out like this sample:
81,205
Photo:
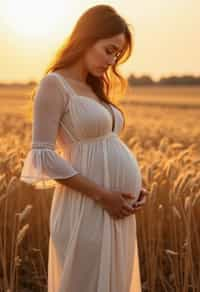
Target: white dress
89,251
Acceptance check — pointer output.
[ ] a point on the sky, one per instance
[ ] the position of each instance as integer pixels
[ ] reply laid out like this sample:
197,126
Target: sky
166,35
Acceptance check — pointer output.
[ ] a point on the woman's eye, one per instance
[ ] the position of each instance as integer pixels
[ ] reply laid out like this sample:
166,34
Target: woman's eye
109,52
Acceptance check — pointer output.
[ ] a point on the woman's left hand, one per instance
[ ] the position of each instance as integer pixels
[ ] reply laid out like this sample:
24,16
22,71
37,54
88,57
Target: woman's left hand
142,198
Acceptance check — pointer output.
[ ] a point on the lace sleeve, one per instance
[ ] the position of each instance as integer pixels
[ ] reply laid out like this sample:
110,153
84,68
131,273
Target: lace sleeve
42,163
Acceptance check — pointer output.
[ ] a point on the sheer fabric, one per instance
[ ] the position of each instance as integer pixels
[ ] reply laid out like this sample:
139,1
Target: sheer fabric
42,162
89,251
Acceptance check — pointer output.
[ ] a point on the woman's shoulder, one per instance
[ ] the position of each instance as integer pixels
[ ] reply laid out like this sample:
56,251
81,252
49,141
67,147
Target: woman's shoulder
55,79
51,90
50,79
49,82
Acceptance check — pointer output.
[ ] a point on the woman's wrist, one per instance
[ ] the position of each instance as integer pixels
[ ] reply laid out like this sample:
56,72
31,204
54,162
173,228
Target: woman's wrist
100,195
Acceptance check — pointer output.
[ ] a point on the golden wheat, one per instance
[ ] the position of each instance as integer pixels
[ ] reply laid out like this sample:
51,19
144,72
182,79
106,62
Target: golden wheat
166,144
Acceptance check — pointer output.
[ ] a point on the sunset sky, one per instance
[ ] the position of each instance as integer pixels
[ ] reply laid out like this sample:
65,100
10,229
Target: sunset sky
167,35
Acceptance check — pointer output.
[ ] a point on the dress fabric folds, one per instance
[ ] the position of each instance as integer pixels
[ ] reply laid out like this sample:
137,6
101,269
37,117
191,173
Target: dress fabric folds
89,251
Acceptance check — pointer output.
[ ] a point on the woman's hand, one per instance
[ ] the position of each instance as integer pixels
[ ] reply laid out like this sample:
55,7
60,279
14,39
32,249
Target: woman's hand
117,205
142,198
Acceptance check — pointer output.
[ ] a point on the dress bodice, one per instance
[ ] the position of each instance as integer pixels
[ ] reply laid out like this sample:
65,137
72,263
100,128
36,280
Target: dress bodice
85,118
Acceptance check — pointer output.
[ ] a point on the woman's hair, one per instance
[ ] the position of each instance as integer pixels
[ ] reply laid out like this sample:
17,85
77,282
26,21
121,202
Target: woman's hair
98,22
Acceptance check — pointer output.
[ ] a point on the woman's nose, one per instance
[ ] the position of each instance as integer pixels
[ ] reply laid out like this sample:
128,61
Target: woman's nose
111,60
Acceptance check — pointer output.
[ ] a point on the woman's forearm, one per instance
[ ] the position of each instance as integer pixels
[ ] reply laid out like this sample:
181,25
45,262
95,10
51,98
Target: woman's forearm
84,185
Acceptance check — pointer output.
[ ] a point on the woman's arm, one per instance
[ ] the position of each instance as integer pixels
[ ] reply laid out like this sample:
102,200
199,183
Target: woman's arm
84,185
43,166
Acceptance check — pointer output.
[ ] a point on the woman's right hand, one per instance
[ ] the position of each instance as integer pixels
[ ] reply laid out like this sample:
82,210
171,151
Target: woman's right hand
117,204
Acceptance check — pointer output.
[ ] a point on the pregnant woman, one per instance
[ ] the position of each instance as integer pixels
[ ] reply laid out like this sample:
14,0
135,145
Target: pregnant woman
98,185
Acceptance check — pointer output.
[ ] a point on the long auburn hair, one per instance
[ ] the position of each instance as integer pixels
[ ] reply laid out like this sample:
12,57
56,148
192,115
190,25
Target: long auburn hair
98,22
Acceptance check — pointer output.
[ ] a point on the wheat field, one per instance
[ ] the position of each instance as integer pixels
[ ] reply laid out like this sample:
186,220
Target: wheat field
165,137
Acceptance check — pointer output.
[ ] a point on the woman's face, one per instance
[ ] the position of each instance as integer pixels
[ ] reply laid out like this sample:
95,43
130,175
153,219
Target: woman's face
103,54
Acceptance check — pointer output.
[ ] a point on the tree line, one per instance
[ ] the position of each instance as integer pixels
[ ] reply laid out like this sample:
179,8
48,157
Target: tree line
171,80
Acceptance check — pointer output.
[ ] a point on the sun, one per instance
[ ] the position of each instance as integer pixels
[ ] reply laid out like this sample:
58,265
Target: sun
36,17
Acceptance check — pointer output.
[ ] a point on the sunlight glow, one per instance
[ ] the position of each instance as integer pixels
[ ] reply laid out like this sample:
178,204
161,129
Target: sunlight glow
35,18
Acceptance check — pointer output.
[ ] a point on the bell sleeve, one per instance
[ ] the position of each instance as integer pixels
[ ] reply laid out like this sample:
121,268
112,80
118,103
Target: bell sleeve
43,165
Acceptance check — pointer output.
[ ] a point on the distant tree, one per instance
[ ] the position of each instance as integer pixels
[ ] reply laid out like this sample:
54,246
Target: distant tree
143,80
182,80
171,80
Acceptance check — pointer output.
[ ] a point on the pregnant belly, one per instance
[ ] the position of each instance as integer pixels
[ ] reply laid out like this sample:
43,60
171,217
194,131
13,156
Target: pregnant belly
123,168
110,164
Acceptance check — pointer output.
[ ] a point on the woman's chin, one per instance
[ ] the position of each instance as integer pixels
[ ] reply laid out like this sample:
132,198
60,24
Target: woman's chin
98,73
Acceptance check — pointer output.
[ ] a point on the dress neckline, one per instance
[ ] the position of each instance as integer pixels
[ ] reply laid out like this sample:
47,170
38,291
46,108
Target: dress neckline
75,80
88,98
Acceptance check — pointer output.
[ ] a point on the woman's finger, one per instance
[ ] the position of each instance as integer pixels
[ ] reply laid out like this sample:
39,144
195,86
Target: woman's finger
128,195
135,209
145,192
141,202
131,211
127,207
124,212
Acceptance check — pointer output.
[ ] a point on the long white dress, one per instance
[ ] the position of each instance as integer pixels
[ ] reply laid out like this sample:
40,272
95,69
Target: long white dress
89,251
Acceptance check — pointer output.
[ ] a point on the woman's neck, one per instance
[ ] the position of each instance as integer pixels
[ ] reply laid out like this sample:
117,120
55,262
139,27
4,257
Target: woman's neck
76,72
